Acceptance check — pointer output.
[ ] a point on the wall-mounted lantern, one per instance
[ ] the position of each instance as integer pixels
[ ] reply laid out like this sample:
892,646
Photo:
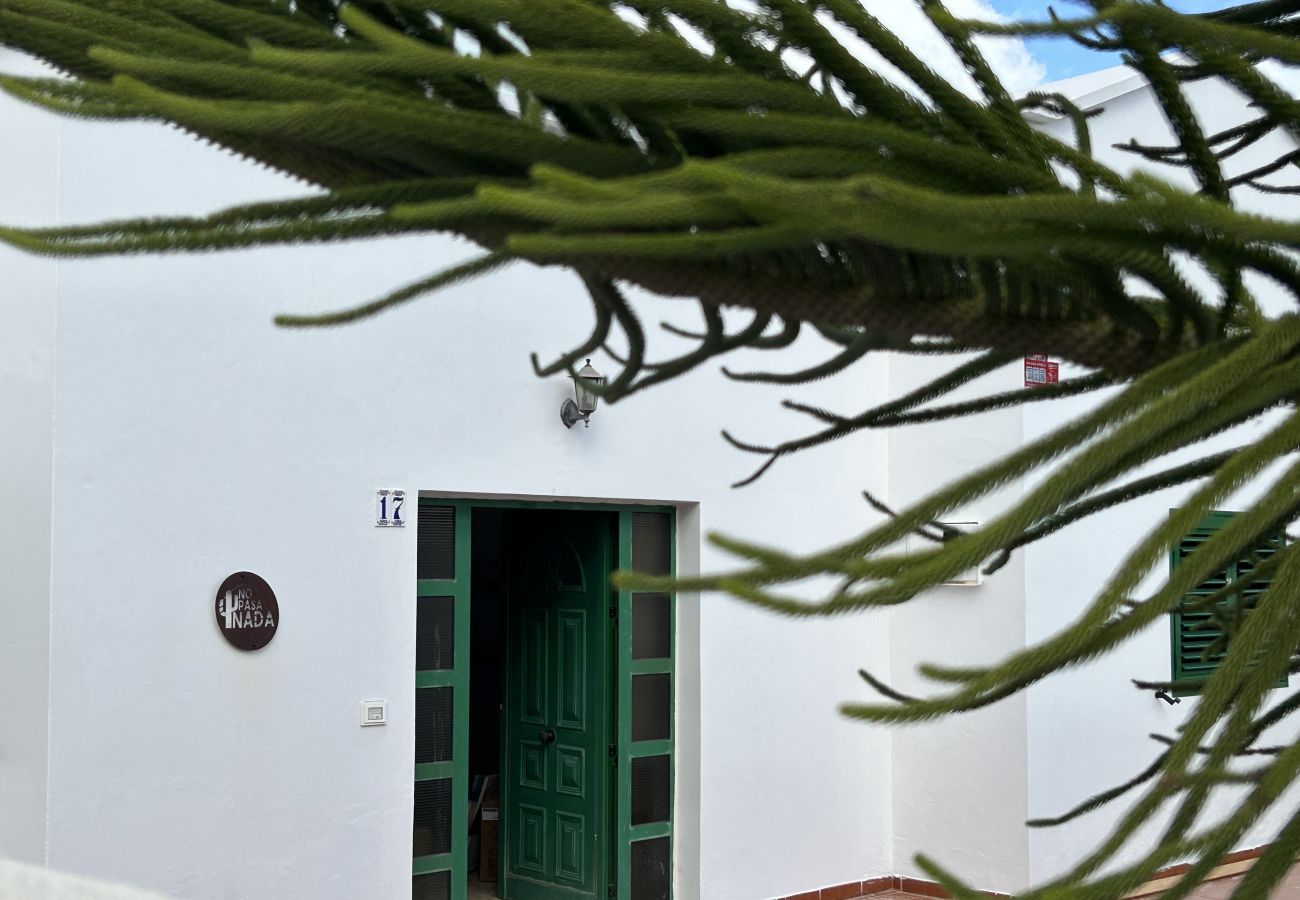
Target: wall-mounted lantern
586,385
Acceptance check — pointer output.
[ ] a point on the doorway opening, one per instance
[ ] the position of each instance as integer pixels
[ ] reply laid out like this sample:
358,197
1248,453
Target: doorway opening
544,703
486,699
541,705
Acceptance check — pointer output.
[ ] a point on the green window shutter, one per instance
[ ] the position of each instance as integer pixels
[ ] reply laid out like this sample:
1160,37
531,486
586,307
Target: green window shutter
442,620
1198,642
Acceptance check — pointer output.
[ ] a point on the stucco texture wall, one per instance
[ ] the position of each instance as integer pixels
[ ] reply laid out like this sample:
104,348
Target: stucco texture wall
1088,726
959,783
195,440
28,184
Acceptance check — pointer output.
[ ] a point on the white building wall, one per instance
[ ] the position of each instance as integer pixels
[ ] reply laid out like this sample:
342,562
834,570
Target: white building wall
1088,726
959,783
28,184
196,440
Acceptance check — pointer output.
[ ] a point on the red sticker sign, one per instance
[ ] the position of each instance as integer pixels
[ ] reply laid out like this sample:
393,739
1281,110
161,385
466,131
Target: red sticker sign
1039,371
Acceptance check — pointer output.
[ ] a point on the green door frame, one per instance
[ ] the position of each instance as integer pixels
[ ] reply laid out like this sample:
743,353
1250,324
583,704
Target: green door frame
648,845
632,838
457,679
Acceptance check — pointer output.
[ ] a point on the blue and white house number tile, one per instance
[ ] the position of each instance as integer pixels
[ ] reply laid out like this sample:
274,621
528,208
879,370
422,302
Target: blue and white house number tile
390,510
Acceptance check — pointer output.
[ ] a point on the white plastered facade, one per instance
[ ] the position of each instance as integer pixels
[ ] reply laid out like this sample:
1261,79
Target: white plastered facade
164,434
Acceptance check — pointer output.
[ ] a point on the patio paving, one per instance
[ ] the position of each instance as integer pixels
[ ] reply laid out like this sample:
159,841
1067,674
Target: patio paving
479,890
1220,889
1289,889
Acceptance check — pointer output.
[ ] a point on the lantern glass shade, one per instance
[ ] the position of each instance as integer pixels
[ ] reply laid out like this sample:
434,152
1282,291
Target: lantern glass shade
585,385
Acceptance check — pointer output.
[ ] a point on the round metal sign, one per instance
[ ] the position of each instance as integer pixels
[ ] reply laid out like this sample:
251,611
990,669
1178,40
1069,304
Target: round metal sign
247,613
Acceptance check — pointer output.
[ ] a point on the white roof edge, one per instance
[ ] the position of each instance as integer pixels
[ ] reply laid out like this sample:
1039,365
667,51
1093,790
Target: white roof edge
1089,91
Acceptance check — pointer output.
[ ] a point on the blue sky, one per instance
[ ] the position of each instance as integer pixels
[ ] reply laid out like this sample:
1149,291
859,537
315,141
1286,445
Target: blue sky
1063,58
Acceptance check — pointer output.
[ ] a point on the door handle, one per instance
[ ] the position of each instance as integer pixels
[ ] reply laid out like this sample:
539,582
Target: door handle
546,736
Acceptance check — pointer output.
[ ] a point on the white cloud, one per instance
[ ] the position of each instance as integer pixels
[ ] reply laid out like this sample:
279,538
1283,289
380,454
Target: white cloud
1019,69
1009,57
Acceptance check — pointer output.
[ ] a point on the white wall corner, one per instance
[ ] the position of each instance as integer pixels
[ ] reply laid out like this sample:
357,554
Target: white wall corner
29,181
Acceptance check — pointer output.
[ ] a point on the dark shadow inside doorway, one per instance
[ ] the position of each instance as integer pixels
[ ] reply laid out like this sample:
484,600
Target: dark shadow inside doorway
487,641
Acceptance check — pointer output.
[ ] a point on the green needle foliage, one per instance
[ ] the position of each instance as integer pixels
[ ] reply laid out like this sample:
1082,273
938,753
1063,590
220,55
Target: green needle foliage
746,157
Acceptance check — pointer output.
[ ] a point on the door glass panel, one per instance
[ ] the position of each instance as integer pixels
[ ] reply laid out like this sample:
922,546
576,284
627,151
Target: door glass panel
651,708
435,886
435,636
650,544
650,875
650,789
651,636
435,555
432,817
645,656
433,724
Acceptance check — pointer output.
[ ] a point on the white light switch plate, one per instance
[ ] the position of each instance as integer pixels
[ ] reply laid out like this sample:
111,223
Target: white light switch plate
374,712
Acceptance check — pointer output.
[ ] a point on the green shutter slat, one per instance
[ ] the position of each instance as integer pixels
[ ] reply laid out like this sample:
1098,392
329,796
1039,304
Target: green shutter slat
1195,630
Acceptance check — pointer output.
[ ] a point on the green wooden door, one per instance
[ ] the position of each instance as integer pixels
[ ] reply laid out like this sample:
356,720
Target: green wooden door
555,785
